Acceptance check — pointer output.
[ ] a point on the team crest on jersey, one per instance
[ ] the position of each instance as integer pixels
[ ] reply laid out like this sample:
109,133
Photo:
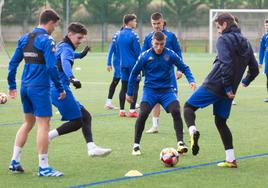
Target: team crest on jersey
150,58
166,57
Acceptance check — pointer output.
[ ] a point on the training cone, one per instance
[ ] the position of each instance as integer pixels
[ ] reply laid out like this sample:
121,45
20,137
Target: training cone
132,173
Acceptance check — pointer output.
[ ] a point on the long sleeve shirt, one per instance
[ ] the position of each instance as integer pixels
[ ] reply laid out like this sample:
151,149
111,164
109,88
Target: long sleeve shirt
157,70
35,74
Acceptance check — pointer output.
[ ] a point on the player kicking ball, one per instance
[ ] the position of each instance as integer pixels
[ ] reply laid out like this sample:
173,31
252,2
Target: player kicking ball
157,64
70,109
234,56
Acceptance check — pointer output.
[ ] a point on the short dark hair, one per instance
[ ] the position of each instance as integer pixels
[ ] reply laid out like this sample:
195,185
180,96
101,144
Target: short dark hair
156,16
226,17
266,21
158,35
76,27
129,17
48,15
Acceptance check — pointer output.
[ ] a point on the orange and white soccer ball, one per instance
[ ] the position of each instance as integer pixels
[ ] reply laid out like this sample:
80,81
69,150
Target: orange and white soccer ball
169,157
3,98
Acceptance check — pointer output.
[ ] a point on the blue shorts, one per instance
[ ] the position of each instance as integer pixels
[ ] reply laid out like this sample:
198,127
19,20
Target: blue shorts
203,97
69,107
36,100
154,96
125,73
117,71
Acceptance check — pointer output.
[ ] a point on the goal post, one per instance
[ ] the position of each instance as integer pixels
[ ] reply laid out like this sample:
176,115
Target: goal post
254,18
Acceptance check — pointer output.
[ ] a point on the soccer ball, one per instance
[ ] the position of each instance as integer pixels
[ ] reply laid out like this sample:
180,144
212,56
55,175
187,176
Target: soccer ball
169,157
3,98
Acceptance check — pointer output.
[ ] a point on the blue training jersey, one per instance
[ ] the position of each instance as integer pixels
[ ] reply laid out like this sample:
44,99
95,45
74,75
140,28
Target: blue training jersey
113,53
35,74
65,55
129,47
263,54
171,42
157,70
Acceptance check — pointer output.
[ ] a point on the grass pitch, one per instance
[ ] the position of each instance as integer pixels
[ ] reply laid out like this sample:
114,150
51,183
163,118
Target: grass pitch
248,123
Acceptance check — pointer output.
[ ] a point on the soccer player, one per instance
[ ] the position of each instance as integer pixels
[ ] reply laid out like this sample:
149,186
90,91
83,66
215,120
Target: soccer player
38,50
129,50
158,23
263,54
235,54
71,110
157,64
113,54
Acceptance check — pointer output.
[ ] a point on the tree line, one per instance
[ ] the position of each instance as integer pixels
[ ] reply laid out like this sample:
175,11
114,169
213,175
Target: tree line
176,12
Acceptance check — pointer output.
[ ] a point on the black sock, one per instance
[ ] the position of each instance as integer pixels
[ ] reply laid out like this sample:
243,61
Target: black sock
86,128
135,96
145,110
122,95
112,87
225,133
70,126
174,109
189,114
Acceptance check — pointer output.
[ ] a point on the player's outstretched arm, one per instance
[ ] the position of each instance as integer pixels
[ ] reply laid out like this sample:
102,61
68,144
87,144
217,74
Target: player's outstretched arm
253,70
262,51
184,68
13,65
82,54
134,75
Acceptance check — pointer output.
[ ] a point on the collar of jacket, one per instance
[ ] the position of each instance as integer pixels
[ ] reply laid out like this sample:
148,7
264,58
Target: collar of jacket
40,30
68,41
158,55
233,28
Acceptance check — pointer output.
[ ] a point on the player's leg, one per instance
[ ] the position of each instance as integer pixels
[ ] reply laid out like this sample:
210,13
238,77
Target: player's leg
65,128
221,111
122,95
122,98
132,111
227,140
148,101
93,150
21,138
145,109
69,109
199,99
155,119
171,105
189,117
22,134
174,109
114,83
41,101
42,147
86,127
266,100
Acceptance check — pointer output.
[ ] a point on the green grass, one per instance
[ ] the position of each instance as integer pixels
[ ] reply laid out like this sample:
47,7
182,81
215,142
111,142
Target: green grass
248,122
